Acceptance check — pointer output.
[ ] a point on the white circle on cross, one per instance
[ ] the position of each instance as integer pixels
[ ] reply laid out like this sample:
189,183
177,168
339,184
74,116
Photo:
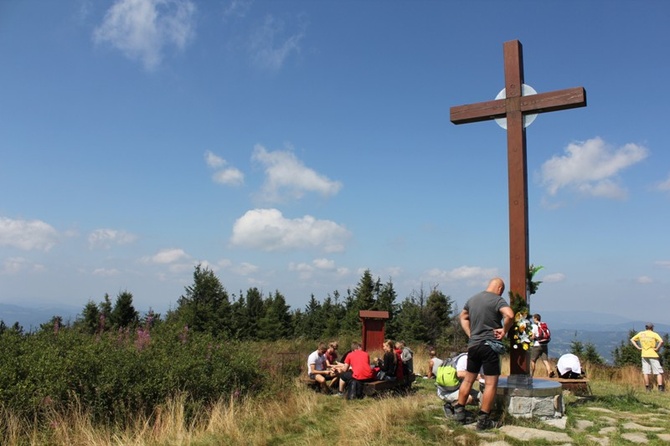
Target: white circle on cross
526,90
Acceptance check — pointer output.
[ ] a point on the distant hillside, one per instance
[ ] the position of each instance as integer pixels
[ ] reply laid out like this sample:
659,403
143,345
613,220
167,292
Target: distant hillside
31,318
604,331
604,341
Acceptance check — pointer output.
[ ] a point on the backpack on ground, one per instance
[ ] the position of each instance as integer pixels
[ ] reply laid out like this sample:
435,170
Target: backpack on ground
446,376
543,333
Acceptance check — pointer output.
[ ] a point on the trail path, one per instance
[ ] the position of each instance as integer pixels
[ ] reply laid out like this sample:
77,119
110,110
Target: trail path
585,423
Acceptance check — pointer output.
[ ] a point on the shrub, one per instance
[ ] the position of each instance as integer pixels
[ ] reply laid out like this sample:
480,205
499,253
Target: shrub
113,379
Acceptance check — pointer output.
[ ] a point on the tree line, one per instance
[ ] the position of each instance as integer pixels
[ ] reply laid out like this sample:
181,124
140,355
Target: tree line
428,318
206,306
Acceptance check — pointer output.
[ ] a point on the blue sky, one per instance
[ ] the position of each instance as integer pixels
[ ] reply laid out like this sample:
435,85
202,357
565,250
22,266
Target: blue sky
290,145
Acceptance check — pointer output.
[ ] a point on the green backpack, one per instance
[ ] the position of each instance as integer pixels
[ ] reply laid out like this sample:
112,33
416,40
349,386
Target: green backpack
446,374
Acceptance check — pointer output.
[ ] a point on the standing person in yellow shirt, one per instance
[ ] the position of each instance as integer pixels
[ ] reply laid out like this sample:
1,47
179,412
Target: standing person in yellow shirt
649,342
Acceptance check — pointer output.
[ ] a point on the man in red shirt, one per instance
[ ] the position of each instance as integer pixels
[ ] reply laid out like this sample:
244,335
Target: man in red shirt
356,367
359,362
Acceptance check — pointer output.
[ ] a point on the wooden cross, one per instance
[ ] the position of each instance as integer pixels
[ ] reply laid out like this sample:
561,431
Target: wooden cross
514,106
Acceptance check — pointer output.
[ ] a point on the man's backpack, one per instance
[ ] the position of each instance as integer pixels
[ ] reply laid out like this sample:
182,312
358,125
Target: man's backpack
543,333
447,376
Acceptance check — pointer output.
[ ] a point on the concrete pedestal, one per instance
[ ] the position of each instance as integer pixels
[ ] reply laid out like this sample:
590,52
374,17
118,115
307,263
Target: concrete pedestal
524,397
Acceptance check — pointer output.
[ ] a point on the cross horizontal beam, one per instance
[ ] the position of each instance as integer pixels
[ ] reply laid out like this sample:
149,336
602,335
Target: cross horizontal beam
536,103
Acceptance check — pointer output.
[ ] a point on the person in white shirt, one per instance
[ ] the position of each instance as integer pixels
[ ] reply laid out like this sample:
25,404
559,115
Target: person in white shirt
451,396
316,366
539,350
569,367
433,364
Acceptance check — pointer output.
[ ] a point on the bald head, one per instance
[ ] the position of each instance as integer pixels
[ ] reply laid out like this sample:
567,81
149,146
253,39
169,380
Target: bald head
496,285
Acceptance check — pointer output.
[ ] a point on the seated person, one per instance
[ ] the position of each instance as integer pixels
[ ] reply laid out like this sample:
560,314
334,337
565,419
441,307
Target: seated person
356,367
569,367
433,364
388,365
400,369
407,357
450,396
316,366
331,354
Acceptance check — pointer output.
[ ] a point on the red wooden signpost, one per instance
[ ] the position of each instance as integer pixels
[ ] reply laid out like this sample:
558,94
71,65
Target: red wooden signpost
373,328
513,107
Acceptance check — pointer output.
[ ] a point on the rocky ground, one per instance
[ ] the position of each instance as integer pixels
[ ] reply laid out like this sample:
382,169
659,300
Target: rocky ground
585,423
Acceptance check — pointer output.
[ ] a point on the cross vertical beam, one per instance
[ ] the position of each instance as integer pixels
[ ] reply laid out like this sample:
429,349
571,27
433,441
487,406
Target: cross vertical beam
517,171
513,107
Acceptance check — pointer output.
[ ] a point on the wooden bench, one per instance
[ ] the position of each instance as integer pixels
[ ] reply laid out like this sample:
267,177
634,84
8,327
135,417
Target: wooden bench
370,388
373,387
576,386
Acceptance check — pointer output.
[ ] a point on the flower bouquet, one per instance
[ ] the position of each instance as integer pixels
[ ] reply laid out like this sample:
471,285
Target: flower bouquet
523,331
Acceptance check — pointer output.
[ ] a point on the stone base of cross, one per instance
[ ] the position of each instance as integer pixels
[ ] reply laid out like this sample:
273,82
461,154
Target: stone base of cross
513,107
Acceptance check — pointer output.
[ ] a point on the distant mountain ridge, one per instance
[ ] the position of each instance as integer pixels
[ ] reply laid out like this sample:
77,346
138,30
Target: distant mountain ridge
604,331
32,318
591,321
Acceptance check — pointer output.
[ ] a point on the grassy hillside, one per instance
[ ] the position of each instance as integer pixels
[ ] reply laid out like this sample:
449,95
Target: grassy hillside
296,415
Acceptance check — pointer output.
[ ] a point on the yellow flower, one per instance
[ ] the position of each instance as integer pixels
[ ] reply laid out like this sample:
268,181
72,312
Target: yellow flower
525,346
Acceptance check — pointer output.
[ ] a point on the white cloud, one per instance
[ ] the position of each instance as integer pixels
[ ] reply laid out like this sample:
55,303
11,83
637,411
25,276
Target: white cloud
591,168
663,263
166,256
469,274
106,272
27,235
324,263
268,230
141,29
270,45
13,265
244,269
285,172
237,8
105,238
304,270
553,278
224,263
213,160
229,175
644,280
664,185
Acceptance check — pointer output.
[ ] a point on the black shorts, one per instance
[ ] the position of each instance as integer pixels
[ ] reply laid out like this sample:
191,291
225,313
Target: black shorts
482,357
539,351
347,376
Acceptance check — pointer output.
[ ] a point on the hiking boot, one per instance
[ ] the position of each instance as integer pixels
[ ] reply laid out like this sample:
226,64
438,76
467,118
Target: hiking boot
484,422
459,413
648,388
462,416
661,388
448,410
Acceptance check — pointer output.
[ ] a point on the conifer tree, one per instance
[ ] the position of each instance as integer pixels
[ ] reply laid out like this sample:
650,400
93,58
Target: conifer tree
437,315
124,314
205,306
626,353
408,323
90,320
276,322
